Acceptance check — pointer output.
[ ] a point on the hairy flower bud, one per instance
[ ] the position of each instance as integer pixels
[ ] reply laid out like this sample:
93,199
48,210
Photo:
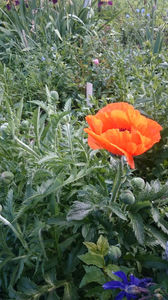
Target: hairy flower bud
114,252
7,177
127,197
138,183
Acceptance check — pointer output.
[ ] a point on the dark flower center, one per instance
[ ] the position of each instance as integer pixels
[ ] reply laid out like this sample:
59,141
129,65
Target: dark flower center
123,129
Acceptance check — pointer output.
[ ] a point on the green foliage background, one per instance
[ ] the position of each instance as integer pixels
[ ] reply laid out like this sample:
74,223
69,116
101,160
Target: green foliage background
57,196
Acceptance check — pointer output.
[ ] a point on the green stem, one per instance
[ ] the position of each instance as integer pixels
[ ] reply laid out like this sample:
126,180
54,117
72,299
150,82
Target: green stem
117,181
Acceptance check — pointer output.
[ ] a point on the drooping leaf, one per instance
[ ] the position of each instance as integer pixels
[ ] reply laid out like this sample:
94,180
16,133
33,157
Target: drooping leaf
93,274
79,211
115,208
93,259
27,286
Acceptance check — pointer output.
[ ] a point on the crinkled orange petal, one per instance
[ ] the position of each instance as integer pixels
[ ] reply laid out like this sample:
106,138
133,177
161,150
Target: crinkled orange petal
98,142
121,129
112,119
92,143
123,106
102,142
122,139
130,160
95,124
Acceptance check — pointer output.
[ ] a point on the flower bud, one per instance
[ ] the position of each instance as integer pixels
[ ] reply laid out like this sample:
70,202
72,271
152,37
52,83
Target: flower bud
54,95
25,124
95,61
127,197
114,252
138,183
7,177
4,128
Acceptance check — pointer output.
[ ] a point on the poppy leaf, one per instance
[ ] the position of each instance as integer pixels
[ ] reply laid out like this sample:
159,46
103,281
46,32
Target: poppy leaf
79,211
138,227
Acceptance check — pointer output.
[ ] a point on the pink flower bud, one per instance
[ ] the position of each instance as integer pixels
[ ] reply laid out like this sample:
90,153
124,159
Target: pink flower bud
95,61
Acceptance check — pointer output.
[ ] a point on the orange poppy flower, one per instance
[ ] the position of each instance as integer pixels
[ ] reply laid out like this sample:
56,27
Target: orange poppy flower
122,130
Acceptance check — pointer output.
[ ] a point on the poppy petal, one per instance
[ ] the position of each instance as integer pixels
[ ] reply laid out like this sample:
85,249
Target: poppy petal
130,160
113,285
99,142
124,106
95,124
92,143
122,139
122,130
114,119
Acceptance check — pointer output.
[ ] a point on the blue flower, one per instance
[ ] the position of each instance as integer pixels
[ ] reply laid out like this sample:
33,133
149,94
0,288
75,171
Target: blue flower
148,15
127,16
43,58
142,10
129,289
137,10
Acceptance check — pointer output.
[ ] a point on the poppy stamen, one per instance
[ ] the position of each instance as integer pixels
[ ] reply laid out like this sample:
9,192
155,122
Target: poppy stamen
123,129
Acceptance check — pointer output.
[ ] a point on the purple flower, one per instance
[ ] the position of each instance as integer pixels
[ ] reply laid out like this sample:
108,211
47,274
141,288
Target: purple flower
10,3
8,6
100,3
129,289
54,1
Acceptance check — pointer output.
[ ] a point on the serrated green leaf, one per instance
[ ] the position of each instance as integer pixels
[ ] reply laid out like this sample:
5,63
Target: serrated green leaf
93,274
138,227
155,214
158,235
93,259
79,211
163,225
115,208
